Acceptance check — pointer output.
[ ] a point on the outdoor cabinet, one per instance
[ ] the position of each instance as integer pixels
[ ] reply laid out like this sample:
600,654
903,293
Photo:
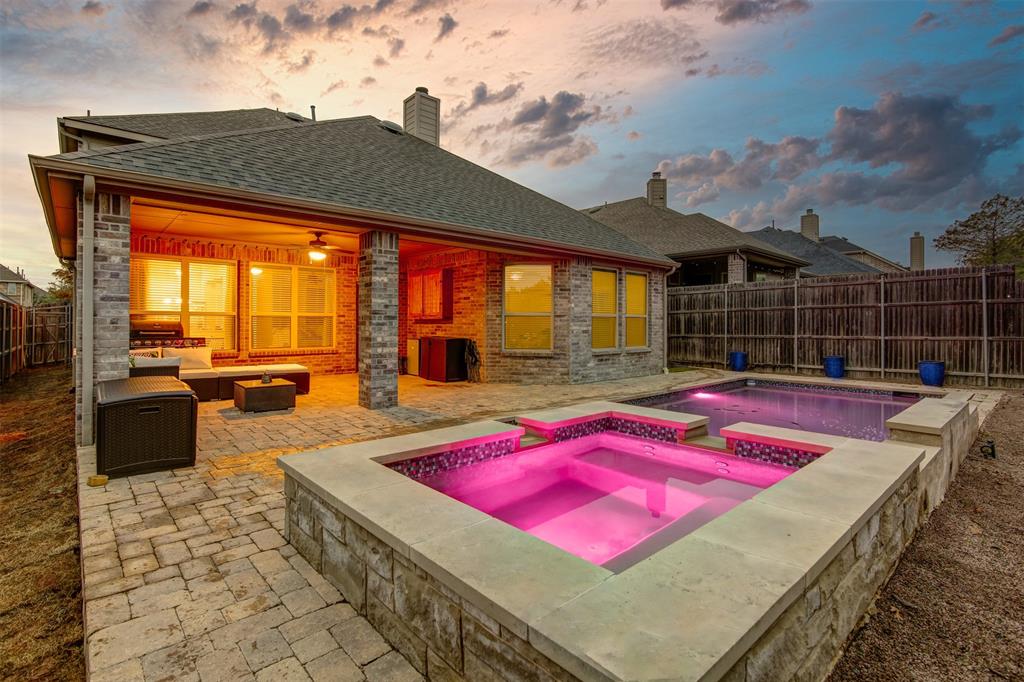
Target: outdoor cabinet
145,424
443,359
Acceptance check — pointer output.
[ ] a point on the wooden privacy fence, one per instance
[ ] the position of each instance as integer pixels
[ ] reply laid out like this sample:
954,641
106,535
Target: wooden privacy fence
970,318
12,339
33,336
48,336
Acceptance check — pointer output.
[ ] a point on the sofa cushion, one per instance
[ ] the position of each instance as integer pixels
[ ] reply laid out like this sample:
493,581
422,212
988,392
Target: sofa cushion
240,371
192,358
145,352
145,361
198,374
284,369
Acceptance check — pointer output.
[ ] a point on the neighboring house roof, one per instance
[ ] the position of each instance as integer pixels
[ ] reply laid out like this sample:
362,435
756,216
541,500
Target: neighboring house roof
166,126
844,245
677,234
823,260
8,275
359,164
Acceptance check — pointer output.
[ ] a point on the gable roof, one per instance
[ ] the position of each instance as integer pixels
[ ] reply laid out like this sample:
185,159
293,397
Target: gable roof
8,275
823,260
182,124
357,163
845,246
677,234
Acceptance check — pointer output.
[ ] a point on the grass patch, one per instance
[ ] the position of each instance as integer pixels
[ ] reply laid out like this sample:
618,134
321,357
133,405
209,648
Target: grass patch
40,578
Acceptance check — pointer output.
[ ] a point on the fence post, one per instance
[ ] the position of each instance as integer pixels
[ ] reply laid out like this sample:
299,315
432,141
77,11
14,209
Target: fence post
725,350
984,323
796,325
881,323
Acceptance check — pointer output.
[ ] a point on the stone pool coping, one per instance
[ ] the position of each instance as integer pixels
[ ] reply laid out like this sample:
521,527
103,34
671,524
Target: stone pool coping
689,611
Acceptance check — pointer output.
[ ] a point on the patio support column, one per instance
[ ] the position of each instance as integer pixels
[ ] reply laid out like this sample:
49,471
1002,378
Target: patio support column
101,299
378,319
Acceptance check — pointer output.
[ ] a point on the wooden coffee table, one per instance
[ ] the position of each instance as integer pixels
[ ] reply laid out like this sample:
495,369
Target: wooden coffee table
256,396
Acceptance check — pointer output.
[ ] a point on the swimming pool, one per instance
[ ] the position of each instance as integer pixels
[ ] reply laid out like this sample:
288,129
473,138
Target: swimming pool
841,412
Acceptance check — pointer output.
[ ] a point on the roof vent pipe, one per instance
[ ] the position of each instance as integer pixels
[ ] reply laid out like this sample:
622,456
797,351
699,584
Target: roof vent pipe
312,112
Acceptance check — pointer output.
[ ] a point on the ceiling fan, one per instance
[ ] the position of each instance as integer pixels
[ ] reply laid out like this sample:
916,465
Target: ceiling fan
317,246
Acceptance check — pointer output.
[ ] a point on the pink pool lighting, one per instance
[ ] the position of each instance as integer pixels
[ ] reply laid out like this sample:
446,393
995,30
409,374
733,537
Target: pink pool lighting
608,498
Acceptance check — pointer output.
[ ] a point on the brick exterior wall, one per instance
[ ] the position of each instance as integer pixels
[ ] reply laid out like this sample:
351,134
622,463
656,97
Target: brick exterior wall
572,360
112,229
737,269
378,319
521,366
468,293
340,359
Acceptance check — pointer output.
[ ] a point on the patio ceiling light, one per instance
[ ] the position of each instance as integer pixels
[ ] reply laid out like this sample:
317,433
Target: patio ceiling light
316,255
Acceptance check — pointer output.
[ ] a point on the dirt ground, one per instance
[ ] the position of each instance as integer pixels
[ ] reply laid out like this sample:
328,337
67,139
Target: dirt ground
954,608
40,580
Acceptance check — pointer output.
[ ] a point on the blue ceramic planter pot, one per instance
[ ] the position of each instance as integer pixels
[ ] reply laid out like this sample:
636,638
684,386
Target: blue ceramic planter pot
835,366
933,373
737,361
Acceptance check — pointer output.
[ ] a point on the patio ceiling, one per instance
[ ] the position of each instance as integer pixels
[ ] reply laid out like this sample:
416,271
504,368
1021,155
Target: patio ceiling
201,222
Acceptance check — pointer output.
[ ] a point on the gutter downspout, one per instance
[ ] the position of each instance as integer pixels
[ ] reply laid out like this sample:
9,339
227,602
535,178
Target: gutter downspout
88,323
664,320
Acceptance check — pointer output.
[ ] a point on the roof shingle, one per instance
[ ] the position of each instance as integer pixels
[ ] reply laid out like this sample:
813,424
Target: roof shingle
823,260
677,234
357,163
188,123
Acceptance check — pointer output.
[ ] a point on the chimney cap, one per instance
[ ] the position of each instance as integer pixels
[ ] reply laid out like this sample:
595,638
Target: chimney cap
656,174
810,211
423,89
916,233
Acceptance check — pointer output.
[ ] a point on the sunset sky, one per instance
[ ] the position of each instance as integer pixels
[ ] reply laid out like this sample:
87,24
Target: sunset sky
886,117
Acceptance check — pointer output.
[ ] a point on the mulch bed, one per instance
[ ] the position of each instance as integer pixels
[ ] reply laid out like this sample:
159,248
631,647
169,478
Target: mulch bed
40,579
954,608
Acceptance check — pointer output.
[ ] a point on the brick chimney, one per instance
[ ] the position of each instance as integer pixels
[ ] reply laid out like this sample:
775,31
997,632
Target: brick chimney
657,190
917,251
422,116
809,225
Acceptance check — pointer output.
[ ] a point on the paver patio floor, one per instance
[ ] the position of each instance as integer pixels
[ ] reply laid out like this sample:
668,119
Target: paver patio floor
187,575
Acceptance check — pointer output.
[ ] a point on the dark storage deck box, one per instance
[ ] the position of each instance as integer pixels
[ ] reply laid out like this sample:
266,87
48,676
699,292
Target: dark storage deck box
145,424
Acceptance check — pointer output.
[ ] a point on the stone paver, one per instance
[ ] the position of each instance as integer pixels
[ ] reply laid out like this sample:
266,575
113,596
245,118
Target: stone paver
188,576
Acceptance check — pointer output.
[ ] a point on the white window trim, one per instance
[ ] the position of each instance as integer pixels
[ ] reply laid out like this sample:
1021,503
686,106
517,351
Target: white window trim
184,314
504,314
646,316
294,314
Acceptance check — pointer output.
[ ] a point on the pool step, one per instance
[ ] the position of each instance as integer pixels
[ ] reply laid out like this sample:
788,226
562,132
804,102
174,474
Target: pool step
531,440
716,443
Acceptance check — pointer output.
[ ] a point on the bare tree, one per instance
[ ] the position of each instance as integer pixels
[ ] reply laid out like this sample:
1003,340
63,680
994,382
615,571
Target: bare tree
992,235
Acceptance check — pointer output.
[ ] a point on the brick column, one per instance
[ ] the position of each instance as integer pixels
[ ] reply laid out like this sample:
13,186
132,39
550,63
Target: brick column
737,269
378,319
112,230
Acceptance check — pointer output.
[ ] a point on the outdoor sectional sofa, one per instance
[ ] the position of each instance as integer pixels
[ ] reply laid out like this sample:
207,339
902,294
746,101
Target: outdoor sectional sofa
210,383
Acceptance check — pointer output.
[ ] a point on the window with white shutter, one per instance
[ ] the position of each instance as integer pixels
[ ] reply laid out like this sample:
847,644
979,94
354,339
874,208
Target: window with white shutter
292,307
201,294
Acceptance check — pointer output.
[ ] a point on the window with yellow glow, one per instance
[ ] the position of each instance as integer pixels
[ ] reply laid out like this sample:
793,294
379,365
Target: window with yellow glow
636,310
201,294
604,327
529,305
291,307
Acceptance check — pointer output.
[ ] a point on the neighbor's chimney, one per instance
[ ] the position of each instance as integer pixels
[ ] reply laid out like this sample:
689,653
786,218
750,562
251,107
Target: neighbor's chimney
423,116
917,251
657,190
312,111
809,225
